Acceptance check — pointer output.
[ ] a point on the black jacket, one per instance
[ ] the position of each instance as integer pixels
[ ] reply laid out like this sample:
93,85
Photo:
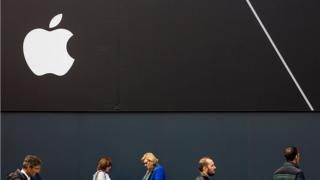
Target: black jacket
288,171
36,177
202,177
16,175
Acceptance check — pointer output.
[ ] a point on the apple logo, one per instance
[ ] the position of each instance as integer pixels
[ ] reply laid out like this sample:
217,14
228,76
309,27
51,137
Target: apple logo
46,51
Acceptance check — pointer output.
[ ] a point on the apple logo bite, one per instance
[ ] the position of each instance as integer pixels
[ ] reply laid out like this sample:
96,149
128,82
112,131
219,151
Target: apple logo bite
46,51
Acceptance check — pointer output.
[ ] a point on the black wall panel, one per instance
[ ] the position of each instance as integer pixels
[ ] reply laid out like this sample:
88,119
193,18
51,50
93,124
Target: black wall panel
247,146
166,55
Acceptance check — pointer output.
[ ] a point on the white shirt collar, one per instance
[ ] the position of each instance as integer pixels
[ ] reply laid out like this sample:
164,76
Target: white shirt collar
22,170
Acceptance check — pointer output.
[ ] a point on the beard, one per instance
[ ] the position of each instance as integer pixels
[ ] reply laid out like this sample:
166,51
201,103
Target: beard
211,173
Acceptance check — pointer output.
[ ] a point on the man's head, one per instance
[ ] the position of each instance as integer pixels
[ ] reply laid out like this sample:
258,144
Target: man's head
104,164
292,155
31,165
206,166
149,160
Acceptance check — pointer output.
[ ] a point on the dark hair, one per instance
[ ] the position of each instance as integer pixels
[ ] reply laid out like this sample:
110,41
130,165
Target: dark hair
104,163
290,153
203,162
31,161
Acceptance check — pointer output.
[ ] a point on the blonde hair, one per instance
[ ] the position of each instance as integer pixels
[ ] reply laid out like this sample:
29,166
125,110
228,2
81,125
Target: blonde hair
150,156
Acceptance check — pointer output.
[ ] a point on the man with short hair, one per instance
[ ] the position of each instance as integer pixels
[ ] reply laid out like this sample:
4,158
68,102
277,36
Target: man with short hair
290,169
31,166
206,168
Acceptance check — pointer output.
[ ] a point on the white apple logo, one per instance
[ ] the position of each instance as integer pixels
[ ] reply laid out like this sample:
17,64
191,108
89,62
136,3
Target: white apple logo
46,51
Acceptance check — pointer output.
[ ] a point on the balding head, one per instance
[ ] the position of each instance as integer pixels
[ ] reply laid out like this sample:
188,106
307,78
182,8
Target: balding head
290,153
206,166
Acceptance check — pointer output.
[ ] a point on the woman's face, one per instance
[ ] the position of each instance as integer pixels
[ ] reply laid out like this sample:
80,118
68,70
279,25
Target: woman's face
108,169
148,164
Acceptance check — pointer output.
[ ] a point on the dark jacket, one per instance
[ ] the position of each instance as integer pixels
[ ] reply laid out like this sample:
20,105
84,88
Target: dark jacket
202,177
16,175
288,171
36,177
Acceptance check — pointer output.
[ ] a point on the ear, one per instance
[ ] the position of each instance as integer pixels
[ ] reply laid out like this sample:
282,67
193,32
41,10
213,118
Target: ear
297,159
205,169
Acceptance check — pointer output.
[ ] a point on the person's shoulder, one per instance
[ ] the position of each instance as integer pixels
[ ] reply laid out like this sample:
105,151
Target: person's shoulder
16,175
159,167
200,178
99,175
158,171
295,170
288,169
107,176
279,170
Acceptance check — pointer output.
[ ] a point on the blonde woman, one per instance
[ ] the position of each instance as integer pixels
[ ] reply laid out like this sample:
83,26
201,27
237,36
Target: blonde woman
154,170
103,168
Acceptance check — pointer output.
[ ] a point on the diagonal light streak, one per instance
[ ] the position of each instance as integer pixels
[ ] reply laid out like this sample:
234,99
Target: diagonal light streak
280,56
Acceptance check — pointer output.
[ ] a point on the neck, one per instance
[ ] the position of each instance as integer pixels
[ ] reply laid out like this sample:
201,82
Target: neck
152,168
204,174
294,162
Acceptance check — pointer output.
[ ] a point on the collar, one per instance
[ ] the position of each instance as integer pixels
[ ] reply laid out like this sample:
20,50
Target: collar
290,164
155,167
203,174
24,172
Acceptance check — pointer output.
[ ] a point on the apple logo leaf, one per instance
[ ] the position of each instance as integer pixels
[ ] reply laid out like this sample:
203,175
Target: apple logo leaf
55,21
